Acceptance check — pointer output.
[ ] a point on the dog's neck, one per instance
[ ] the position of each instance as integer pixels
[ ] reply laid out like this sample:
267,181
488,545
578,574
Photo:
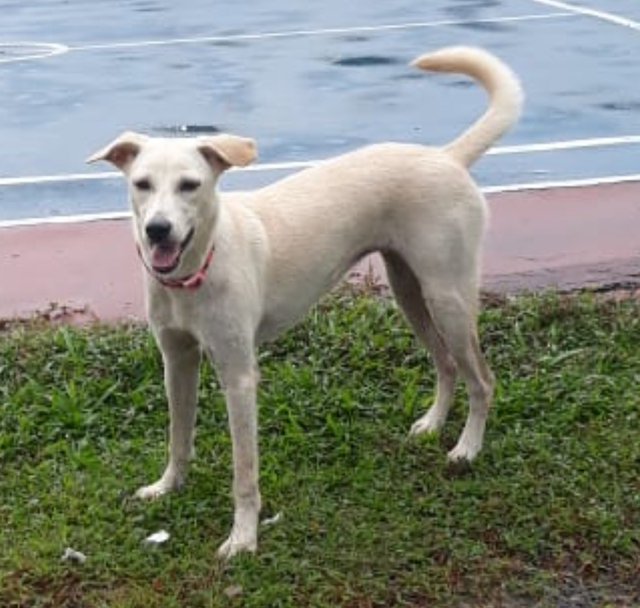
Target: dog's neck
192,281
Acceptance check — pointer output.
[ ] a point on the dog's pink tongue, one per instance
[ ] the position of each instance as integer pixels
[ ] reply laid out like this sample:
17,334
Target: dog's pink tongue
164,257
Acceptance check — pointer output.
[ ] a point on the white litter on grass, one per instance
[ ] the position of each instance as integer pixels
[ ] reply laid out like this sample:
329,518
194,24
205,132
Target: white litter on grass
269,521
71,555
233,591
157,538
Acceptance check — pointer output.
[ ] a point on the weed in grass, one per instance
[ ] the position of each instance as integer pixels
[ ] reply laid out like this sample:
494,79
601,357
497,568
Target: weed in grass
548,515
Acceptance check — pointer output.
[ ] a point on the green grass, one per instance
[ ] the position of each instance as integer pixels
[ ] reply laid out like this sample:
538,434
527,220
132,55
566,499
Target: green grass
550,510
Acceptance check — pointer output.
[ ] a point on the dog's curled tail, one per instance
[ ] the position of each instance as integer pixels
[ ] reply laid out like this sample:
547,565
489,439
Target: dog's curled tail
502,85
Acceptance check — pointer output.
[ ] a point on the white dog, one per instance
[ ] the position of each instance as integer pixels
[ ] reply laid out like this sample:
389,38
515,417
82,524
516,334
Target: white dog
228,271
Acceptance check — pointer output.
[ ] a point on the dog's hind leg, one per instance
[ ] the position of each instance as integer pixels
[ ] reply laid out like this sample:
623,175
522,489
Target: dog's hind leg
181,357
453,309
406,288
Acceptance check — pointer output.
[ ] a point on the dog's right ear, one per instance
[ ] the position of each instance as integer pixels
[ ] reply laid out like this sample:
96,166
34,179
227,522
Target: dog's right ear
122,151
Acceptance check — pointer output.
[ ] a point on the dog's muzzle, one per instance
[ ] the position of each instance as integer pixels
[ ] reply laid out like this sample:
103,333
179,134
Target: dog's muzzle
165,252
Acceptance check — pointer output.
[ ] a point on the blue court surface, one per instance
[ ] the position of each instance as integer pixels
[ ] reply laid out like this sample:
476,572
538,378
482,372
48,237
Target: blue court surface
307,81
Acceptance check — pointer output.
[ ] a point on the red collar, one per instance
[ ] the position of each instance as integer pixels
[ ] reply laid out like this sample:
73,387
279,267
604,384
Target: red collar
193,281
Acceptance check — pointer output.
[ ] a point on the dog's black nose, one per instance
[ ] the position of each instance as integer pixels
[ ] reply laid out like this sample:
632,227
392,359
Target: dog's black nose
158,229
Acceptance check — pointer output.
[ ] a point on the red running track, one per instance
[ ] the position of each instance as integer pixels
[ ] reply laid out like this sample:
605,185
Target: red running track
563,238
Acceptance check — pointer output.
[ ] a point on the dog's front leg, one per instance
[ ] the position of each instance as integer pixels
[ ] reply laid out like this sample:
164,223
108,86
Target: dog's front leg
240,385
181,356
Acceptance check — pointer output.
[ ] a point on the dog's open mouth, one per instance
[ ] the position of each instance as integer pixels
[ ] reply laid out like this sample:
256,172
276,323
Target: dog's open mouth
165,256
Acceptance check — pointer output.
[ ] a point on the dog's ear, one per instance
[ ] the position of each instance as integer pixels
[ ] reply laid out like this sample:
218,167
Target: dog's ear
122,151
224,151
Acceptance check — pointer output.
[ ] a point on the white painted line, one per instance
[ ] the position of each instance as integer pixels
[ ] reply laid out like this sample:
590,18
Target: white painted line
319,32
590,12
550,185
554,146
79,177
37,50
286,166
570,183
572,144
62,177
66,219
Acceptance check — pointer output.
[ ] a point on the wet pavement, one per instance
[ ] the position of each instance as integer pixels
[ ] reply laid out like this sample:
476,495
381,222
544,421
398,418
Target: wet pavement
307,81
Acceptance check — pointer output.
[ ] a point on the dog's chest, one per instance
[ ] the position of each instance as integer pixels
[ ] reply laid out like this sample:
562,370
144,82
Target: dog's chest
180,310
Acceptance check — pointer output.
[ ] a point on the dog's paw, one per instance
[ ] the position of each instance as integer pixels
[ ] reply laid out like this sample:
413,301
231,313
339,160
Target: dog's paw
431,422
236,544
463,451
156,490
469,443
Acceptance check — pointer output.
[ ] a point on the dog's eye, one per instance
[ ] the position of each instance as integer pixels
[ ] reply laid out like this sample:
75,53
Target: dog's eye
142,184
188,185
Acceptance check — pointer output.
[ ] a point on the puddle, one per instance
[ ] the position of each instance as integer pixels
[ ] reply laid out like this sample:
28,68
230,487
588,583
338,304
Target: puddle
366,61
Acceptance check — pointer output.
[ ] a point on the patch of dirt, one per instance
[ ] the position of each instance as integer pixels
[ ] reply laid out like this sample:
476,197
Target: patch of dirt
54,314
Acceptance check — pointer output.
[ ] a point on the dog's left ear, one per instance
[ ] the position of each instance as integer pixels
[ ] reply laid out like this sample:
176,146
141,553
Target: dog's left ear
122,151
224,151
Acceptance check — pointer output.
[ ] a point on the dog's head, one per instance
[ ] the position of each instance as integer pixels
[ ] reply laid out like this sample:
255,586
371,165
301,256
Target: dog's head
172,190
